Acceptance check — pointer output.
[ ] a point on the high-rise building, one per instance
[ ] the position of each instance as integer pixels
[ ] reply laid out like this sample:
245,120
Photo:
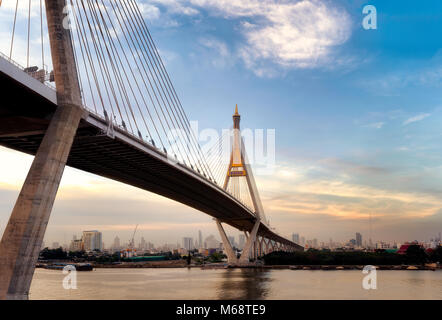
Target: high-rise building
315,243
241,241
116,245
143,244
200,239
76,245
295,238
212,242
92,241
358,239
188,243
231,240
302,241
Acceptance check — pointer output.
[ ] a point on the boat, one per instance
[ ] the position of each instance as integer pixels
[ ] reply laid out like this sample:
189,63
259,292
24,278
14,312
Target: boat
340,268
77,266
431,266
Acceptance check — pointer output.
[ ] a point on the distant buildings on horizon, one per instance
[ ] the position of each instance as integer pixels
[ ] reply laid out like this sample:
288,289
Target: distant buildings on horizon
358,243
91,241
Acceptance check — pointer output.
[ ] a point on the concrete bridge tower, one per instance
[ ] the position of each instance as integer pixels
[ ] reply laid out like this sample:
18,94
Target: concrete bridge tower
23,236
239,168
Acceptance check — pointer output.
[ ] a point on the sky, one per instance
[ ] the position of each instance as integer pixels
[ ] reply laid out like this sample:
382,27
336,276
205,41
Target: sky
356,113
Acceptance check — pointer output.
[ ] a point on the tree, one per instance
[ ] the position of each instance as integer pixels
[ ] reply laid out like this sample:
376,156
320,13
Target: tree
416,255
216,257
53,254
436,255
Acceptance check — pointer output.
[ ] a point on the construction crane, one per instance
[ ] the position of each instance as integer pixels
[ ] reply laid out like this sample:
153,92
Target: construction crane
130,251
132,241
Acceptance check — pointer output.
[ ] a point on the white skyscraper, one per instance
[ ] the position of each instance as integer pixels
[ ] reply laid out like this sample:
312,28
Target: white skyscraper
200,239
188,243
358,239
92,240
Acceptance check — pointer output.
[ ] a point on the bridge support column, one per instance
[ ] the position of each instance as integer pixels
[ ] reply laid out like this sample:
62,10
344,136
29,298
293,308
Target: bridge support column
23,236
260,247
231,255
250,244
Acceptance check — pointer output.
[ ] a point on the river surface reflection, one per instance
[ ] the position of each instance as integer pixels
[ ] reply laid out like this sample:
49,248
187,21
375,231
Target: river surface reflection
232,284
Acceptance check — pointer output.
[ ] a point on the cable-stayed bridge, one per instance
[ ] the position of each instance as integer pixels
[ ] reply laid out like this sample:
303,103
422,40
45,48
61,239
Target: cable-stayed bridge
102,101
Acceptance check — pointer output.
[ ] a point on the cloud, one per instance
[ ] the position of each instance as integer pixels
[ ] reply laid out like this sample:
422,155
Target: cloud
417,118
217,45
345,193
392,84
178,7
149,11
220,54
285,34
291,34
375,125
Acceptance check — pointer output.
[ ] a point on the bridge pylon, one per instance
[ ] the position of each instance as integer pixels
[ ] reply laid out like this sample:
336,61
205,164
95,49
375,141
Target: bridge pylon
239,168
22,239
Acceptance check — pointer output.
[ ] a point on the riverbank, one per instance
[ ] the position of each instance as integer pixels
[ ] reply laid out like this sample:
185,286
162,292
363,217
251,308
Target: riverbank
183,264
356,267
179,264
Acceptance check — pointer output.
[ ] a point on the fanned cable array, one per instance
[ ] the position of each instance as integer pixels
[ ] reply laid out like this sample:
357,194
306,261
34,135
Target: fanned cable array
239,188
123,78
219,159
28,45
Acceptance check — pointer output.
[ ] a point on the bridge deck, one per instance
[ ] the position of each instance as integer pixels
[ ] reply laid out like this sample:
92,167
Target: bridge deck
124,158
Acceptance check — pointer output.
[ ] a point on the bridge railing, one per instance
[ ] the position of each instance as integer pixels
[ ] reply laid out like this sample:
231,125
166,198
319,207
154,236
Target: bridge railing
115,124
38,75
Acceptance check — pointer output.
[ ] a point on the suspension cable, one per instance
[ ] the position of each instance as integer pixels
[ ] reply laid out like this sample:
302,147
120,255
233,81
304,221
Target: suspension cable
29,31
42,39
13,30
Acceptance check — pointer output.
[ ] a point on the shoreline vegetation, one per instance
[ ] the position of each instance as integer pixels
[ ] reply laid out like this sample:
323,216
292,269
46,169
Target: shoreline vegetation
415,258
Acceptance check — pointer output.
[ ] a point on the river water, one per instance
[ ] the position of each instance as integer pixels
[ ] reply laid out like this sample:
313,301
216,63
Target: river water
171,284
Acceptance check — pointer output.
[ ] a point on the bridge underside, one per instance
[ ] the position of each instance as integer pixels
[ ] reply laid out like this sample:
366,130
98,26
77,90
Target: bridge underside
25,118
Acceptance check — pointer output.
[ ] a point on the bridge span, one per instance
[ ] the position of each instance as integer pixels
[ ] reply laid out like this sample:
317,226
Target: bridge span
55,126
120,156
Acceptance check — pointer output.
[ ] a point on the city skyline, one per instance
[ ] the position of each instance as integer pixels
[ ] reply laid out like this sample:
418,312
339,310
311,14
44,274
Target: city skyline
158,231
189,242
354,138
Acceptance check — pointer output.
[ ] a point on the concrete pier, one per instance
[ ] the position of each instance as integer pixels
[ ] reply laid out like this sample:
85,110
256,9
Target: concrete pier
23,236
231,255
